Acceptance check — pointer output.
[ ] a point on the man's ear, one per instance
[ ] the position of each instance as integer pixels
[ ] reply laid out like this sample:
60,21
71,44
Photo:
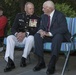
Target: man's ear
2,12
25,8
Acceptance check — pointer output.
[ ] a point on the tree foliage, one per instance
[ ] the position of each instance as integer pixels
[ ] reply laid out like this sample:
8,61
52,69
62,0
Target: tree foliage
12,7
66,9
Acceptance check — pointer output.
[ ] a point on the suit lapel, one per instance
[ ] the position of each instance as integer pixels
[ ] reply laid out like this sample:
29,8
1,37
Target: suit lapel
54,17
45,21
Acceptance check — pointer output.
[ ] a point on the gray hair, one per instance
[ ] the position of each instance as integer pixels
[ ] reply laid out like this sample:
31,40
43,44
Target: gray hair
29,3
49,4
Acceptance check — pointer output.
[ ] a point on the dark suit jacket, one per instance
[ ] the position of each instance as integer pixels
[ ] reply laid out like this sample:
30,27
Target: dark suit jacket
58,24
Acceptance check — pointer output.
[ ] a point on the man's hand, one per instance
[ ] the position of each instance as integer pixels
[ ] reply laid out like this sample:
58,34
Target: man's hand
20,36
42,33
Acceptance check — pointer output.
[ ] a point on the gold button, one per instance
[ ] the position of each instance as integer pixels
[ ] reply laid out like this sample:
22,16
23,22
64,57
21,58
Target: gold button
27,17
25,27
26,22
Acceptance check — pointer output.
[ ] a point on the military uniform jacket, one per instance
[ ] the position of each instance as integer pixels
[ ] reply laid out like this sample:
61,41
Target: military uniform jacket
25,23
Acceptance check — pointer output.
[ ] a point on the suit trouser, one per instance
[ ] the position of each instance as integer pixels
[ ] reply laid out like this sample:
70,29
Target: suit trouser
56,44
12,41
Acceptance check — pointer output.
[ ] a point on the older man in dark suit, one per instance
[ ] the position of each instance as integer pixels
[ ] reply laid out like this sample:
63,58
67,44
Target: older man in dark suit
53,28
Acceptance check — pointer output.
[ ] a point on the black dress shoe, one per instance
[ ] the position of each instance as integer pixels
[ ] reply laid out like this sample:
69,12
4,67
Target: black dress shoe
39,66
50,70
10,65
23,62
8,68
51,66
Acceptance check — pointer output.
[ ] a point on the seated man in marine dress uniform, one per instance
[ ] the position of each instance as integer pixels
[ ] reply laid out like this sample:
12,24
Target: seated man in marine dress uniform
24,27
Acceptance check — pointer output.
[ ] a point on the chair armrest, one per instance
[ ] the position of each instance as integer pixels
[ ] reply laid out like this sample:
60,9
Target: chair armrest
72,37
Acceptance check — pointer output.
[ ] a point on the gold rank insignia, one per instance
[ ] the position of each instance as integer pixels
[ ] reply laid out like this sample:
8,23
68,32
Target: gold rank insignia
33,23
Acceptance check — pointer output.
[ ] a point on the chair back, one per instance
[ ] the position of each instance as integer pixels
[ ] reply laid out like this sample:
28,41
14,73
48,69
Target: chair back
69,24
74,30
73,26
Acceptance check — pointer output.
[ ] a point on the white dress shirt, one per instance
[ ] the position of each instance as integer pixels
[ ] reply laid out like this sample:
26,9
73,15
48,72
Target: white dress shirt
51,16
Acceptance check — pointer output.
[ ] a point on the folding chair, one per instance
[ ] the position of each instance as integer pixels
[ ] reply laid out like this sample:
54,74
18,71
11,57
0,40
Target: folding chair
74,30
73,40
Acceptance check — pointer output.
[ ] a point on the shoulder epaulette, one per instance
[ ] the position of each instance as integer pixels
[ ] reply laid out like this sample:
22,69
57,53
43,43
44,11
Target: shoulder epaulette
20,13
